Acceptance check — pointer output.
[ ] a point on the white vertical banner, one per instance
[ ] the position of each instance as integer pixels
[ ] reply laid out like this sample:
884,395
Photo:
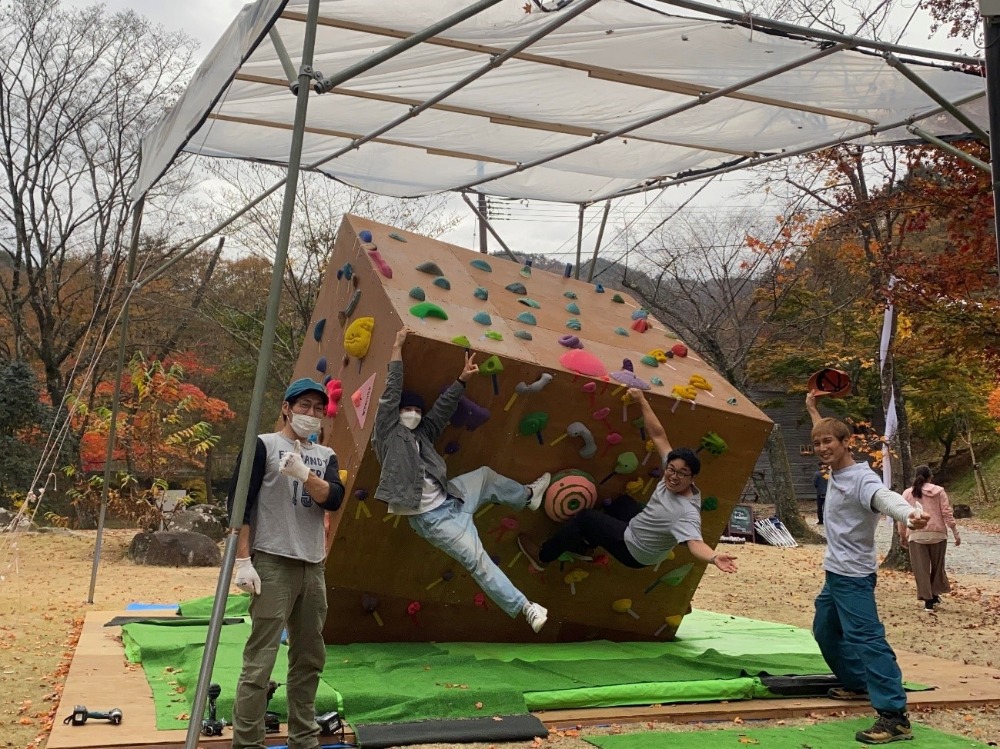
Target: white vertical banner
891,418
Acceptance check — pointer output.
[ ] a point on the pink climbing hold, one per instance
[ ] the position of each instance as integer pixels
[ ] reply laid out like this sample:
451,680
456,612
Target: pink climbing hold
583,362
590,388
412,610
507,525
334,392
602,414
612,439
641,325
384,268
480,601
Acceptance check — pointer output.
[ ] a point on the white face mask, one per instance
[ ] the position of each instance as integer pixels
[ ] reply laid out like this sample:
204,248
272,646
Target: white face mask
305,425
410,419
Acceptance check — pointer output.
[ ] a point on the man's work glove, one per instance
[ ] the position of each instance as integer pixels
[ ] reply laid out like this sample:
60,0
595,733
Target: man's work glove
247,578
291,465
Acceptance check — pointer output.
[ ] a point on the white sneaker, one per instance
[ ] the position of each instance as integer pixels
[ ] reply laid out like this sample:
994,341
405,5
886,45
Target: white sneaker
536,615
538,487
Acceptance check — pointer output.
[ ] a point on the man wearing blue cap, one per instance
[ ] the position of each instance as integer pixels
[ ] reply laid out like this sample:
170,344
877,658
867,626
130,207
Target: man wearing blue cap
280,557
414,483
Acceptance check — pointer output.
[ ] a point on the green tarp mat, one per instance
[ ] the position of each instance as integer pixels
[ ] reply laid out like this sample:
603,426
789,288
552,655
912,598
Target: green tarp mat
833,735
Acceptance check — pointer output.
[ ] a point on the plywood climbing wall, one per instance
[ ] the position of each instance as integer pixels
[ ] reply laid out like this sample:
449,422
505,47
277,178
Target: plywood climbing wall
386,583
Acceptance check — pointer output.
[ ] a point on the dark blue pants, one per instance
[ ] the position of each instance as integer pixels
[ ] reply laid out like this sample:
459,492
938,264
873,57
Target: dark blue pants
852,640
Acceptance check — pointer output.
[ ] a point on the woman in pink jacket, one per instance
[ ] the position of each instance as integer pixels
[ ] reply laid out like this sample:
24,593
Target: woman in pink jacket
927,546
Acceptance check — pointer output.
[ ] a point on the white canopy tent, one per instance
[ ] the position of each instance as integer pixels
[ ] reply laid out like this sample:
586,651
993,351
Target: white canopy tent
577,101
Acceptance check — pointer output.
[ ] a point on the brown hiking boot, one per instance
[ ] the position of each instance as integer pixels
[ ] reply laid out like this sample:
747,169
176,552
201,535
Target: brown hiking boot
842,693
530,550
888,728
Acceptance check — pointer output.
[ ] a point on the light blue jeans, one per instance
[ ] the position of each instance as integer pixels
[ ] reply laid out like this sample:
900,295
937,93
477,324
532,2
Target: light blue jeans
452,529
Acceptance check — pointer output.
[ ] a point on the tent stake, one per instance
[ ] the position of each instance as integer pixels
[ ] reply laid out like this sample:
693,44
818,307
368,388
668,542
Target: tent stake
260,381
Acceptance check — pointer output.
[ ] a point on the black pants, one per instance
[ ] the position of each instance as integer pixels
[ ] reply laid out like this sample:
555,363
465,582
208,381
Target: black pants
820,501
592,528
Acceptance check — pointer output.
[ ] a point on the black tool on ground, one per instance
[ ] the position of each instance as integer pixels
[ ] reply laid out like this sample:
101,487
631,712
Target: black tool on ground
272,723
212,726
330,723
81,715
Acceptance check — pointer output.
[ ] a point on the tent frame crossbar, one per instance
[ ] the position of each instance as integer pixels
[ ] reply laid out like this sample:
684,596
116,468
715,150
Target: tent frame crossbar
950,148
283,57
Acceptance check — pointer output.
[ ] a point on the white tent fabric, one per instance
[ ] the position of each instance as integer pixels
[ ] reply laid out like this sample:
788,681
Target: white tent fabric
612,67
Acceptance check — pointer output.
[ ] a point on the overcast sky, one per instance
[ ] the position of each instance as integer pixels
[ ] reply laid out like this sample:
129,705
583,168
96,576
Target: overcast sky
537,227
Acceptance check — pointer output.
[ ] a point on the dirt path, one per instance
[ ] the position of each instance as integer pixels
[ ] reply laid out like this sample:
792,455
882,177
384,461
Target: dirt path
45,578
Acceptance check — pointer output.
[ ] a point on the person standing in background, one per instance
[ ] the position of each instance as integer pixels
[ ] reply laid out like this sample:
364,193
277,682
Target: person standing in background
820,481
927,546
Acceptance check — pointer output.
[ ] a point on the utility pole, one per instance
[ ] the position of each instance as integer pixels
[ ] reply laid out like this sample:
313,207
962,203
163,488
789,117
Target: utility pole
990,11
484,210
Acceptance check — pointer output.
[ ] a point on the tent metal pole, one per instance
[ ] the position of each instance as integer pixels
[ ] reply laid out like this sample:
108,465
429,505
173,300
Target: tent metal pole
260,380
932,92
564,16
954,151
597,244
484,221
695,101
286,61
116,399
750,163
579,241
759,22
991,32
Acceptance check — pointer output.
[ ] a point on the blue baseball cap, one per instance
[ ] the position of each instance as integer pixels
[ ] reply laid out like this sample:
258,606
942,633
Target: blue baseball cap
303,386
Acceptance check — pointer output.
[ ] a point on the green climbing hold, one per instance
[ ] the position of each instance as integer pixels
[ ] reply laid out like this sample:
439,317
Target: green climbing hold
714,444
656,381
494,336
524,335
432,268
491,366
569,294
526,271
481,293
516,288
483,318
461,340
527,318
397,237
618,299
676,577
442,283
709,504
530,303
428,309
417,293
533,423
573,308
649,361
574,324
621,331
481,265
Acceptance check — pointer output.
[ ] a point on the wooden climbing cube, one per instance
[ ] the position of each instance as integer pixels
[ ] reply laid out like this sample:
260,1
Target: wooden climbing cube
387,584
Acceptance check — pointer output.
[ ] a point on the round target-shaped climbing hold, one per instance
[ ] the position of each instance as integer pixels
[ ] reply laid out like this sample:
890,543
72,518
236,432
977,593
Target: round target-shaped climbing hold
569,493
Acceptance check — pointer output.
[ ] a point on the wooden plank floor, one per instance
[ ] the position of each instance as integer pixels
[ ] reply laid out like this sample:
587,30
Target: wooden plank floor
101,678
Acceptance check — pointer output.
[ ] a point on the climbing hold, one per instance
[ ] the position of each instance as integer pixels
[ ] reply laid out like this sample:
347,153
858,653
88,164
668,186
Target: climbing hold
598,288
516,288
659,354
634,486
462,341
627,364
442,283
530,303
431,268
656,381
583,362
481,293
527,318
358,337
569,294
481,265
483,318
397,237
626,463
624,606
627,378
649,361
579,429
536,387
641,325
534,423
364,235
494,335
417,293
346,272
574,324
524,335
428,309
679,349
383,267
451,448
492,367
570,341
469,414
685,392
621,331
526,271
344,315
321,365
573,308
318,330
640,314
618,299
573,577
709,504
700,382
569,493
713,443
334,392
731,401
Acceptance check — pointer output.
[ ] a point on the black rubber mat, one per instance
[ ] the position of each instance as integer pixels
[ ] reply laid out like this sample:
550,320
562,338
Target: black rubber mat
172,620
468,730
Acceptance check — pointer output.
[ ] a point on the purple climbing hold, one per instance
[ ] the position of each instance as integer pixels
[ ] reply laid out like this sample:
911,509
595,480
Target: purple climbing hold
570,341
469,414
361,494
627,364
451,448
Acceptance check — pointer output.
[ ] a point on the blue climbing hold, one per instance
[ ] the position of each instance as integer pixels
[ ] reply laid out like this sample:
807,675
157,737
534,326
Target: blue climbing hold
442,283
527,318
573,308
364,235
481,293
318,330
321,365
598,288
483,318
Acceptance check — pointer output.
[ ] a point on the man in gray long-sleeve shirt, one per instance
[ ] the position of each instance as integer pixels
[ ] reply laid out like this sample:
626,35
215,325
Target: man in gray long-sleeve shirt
846,625
414,482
